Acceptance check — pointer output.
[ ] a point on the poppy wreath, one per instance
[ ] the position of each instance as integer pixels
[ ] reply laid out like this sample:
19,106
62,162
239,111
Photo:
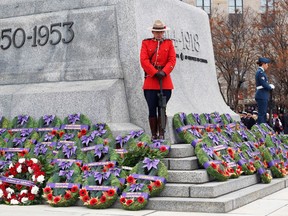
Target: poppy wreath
99,190
23,121
103,130
275,164
193,119
272,141
21,138
258,131
215,118
62,188
21,183
151,172
158,149
94,137
135,195
179,121
49,121
245,162
267,128
204,118
76,122
4,122
226,119
262,172
207,159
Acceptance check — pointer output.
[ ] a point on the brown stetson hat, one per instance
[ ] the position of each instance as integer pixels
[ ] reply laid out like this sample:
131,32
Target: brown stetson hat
158,26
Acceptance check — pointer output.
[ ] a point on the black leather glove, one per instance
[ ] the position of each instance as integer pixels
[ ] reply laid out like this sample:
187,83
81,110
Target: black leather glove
160,74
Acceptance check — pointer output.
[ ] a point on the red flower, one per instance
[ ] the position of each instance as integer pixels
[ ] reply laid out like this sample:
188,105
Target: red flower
149,187
54,132
130,179
111,192
93,201
213,165
85,198
83,131
23,153
78,164
2,153
110,165
50,196
140,144
122,199
129,202
85,168
18,187
158,183
74,189
103,199
140,199
83,192
61,133
31,196
67,196
57,199
163,148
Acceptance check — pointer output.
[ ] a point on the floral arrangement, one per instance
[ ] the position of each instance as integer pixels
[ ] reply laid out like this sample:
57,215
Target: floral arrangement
22,183
135,196
23,121
21,138
62,188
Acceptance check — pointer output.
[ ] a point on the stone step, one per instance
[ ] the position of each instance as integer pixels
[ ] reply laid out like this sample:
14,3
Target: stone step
221,204
191,176
209,189
187,163
122,128
181,150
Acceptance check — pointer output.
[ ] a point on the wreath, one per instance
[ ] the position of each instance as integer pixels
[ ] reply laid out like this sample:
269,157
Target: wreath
22,183
49,121
23,121
62,189
103,130
135,195
21,138
100,189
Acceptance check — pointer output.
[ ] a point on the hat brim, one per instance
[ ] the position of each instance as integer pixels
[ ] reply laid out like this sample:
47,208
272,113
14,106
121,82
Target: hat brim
158,30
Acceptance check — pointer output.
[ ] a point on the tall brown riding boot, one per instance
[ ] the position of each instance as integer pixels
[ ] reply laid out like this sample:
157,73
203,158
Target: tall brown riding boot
161,131
153,127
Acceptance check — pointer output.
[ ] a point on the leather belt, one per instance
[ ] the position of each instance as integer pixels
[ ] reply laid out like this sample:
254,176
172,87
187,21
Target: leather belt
259,87
159,67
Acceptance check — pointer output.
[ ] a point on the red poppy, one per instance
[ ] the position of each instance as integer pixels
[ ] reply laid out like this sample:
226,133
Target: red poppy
85,198
18,187
31,196
85,168
83,192
163,149
74,189
93,201
158,183
140,199
57,199
110,165
54,132
130,179
67,196
140,144
103,199
50,196
61,133
149,187
213,165
47,190
111,192
122,199
129,202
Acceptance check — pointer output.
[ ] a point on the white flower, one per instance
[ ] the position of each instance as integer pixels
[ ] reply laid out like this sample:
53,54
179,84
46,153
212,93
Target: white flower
1,193
34,190
14,202
8,196
24,199
34,160
10,165
19,169
23,192
11,176
9,190
30,170
33,178
40,179
21,160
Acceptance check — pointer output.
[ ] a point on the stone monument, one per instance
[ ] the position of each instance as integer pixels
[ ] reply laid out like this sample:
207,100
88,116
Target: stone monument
69,56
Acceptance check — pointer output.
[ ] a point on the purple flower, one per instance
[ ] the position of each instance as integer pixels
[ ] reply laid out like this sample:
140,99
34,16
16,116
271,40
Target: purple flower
182,117
115,171
68,136
67,173
100,126
40,149
48,119
100,149
99,177
86,140
65,164
22,119
9,156
150,163
48,137
136,187
18,141
73,118
69,150
135,134
26,132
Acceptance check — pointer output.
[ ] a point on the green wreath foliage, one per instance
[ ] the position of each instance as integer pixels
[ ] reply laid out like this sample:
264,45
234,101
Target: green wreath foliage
4,122
23,121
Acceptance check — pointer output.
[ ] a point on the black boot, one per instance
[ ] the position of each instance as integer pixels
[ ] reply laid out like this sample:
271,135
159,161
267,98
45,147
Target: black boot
153,127
161,130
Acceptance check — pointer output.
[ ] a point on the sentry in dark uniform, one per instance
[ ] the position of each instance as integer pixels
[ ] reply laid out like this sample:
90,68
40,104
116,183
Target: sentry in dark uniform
263,89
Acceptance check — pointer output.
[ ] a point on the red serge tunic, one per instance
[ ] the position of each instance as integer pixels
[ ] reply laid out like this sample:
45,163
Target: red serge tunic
166,58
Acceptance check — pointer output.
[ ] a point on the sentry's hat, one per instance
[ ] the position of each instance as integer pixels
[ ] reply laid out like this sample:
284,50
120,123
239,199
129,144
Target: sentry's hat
263,60
255,112
158,26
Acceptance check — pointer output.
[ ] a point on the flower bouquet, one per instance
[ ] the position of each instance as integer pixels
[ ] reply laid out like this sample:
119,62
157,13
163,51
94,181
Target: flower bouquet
135,196
21,183
151,172
99,190
23,121
62,188
4,122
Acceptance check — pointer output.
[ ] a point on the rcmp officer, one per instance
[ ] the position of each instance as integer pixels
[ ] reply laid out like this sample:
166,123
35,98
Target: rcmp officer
157,58
263,89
